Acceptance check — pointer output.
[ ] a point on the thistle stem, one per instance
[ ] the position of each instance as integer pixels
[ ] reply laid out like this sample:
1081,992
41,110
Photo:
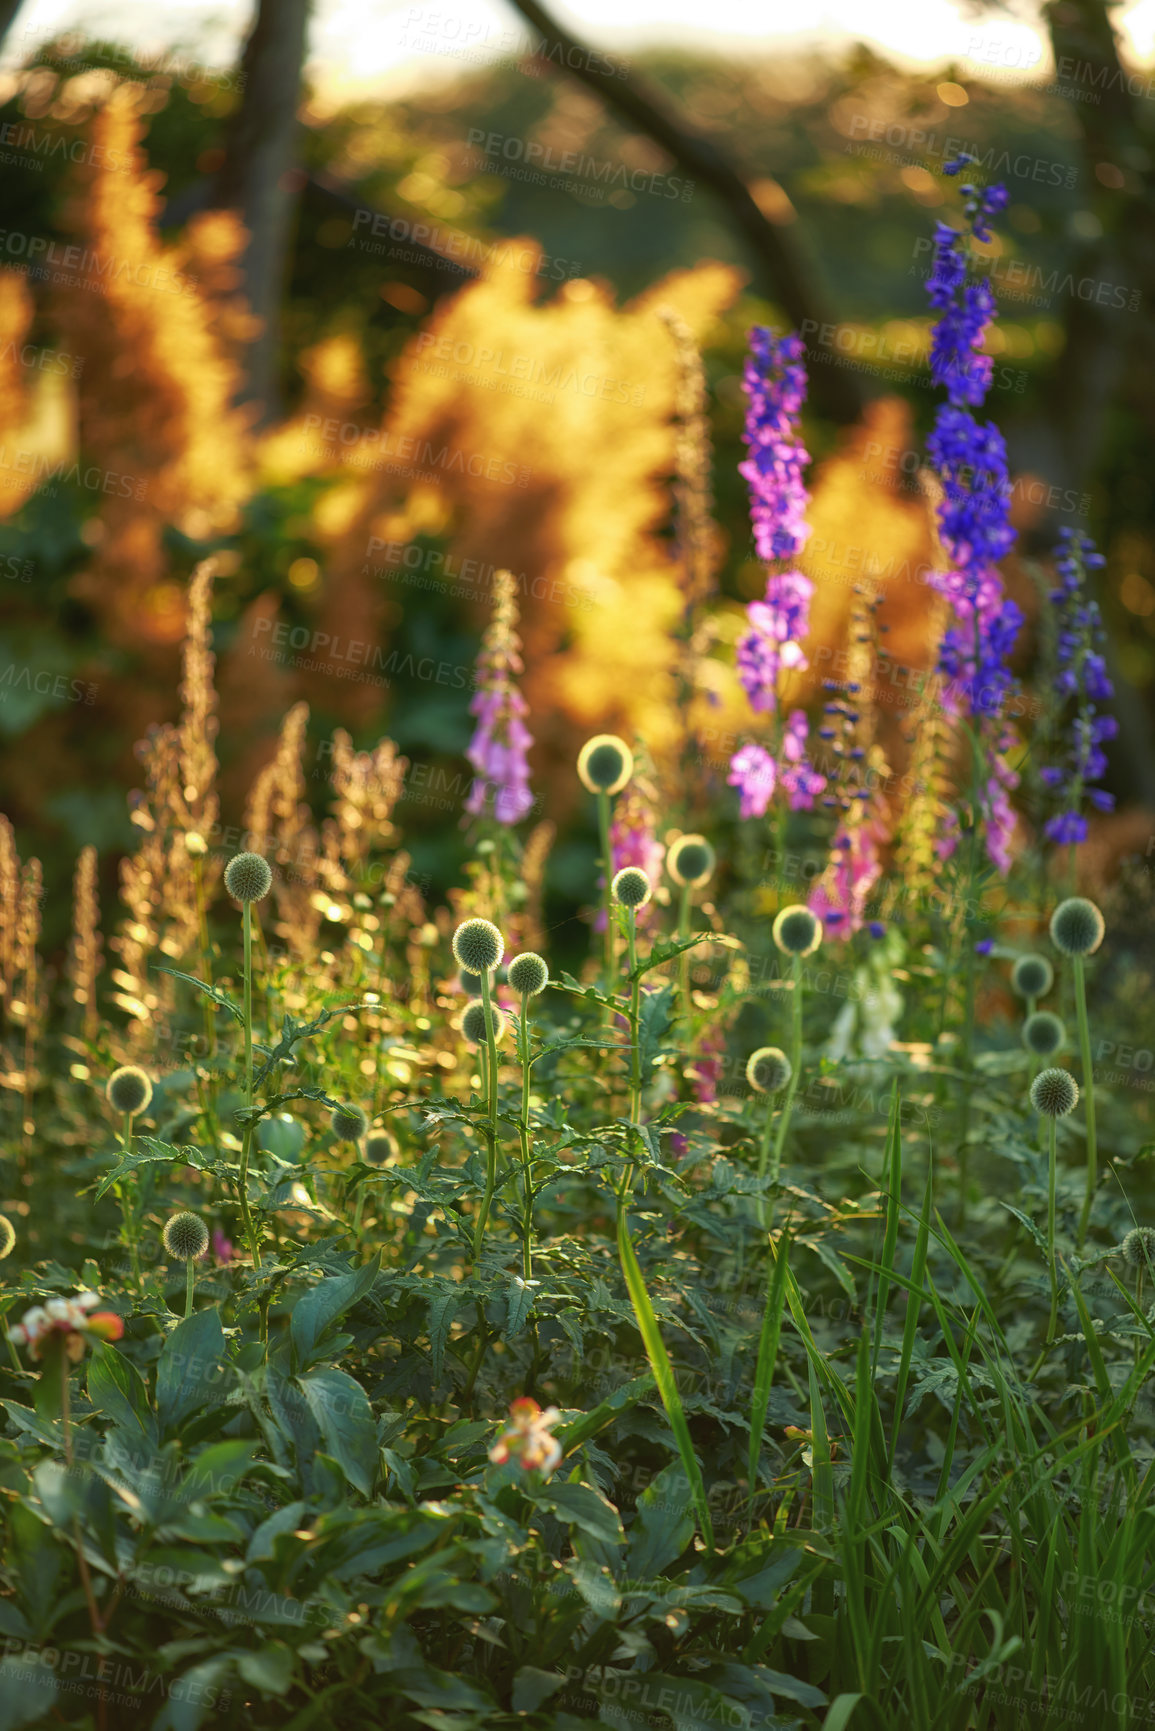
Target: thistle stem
608,870
1088,1097
526,1146
791,1090
190,1282
247,1139
126,1201
635,1018
491,1127
1052,1265
684,932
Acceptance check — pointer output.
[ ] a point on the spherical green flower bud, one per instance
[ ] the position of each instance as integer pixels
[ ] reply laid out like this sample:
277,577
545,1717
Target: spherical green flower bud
768,1070
380,1148
348,1123
528,974
1139,1247
605,764
1054,1093
1044,1034
473,1023
691,861
248,877
631,887
7,1236
1077,927
186,1237
797,931
129,1090
478,946
1032,976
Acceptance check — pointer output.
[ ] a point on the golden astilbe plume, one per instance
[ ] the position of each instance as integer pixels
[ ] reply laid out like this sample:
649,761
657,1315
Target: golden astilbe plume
281,826
527,921
86,949
367,785
29,998
16,310
9,910
542,433
155,399
163,882
931,738
696,532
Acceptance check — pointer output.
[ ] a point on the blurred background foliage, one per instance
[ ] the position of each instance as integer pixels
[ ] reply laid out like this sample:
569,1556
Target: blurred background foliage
123,378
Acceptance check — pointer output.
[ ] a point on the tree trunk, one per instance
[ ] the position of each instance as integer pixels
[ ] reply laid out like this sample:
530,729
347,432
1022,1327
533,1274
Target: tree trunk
258,181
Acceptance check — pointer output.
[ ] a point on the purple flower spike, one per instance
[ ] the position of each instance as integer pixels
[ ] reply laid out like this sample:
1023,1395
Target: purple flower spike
501,740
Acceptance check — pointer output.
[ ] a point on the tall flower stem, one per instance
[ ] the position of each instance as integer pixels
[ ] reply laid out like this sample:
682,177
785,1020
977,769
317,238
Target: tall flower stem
608,870
127,1198
526,1147
491,1126
684,932
1052,1265
1088,1097
247,1139
190,1282
791,1090
635,1017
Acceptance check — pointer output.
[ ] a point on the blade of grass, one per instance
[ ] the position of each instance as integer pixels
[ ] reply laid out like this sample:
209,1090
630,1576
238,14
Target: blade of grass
767,1353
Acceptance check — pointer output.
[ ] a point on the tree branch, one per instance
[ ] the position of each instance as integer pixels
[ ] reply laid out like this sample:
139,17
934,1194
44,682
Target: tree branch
780,270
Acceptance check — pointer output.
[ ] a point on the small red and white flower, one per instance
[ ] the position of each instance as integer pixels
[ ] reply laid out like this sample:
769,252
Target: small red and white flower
76,1319
528,1437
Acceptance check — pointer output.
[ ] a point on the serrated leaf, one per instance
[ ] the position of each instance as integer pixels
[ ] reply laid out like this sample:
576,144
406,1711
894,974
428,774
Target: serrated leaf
344,1417
1036,1232
667,952
213,992
153,1152
443,1307
324,1303
519,1298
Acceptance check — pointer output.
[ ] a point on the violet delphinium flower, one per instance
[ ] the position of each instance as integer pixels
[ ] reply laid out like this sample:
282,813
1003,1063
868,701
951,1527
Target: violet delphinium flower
1081,675
775,385
501,740
974,512
774,379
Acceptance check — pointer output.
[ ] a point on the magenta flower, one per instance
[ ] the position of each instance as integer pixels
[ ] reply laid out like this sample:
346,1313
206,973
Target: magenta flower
842,894
222,1249
778,622
774,379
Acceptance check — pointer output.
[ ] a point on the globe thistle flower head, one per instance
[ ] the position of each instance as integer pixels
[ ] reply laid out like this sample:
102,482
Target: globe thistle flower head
605,764
691,861
7,1236
1032,977
1077,927
186,1237
1139,1247
478,946
1054,1093
768,1070
473,1023
528,974
631,887
1044,1034
129,1090
248,877
380,1148
797,931
348,1123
